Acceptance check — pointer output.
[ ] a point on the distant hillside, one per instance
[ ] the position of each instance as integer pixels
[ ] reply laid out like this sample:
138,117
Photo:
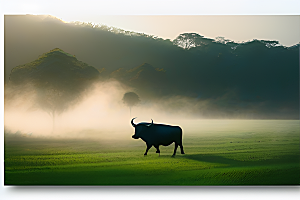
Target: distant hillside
149,81
97,46
56,68
258,75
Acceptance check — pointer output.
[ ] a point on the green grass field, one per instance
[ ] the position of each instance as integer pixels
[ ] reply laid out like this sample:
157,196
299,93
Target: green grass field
228,152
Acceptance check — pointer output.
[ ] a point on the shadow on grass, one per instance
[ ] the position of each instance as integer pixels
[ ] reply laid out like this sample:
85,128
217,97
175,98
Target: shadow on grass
211,158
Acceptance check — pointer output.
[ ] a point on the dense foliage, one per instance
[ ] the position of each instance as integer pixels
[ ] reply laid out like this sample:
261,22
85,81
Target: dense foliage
57,78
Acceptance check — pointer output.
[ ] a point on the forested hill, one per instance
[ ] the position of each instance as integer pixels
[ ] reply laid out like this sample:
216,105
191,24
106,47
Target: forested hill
55,81
256,75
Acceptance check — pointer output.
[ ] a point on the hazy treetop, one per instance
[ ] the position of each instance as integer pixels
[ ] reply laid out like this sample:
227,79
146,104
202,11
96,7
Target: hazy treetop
131,99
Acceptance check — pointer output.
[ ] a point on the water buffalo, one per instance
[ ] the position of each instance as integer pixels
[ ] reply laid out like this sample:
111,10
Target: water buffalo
158,134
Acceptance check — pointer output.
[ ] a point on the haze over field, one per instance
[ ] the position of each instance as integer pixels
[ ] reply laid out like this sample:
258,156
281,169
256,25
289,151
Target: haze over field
191,77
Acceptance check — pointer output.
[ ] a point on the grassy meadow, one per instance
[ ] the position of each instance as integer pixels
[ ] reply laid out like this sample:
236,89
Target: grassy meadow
218,152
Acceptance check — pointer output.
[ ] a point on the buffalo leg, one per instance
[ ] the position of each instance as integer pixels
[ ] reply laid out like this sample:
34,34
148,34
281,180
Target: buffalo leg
181,148
148,147
157,149
175,149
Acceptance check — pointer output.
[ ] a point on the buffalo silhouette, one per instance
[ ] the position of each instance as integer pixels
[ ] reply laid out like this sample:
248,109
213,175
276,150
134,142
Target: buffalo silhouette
158,134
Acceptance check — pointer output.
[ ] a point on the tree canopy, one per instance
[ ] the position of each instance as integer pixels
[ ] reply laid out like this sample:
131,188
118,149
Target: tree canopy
57,78
131,99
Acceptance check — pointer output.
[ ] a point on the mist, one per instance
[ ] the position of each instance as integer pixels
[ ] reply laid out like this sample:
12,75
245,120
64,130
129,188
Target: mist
101,114
100,108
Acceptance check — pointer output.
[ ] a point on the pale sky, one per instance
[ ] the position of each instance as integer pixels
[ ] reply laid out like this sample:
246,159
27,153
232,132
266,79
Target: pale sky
283,28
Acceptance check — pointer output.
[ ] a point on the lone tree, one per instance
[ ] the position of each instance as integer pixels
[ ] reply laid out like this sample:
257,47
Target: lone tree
131,99
58,79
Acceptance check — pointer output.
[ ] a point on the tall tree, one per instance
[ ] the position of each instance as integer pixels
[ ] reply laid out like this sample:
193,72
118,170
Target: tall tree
58,79
131,99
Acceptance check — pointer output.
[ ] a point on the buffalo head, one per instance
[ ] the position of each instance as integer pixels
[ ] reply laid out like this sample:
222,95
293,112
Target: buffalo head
140,128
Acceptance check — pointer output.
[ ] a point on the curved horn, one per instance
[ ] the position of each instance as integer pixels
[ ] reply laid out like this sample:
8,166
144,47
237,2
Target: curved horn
151,123
132,122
